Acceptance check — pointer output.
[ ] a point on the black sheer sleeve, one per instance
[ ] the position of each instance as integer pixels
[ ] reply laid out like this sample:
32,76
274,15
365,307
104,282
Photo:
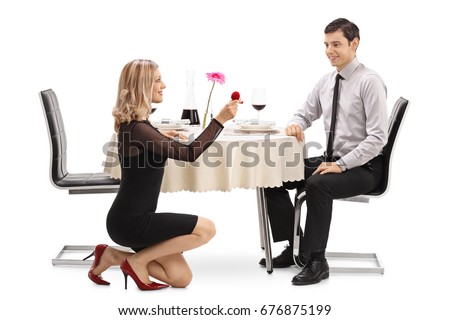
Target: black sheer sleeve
143,136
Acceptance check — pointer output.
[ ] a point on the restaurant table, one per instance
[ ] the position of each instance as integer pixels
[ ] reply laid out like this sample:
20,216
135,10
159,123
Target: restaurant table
237,159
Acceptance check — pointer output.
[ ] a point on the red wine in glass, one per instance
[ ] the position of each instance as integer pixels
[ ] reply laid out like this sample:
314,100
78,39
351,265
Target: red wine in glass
259,99
258,107
192,115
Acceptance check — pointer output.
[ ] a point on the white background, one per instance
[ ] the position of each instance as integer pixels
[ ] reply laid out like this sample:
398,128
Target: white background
78,49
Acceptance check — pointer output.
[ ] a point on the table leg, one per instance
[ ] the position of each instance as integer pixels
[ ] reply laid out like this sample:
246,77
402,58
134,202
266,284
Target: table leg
264,227
260,220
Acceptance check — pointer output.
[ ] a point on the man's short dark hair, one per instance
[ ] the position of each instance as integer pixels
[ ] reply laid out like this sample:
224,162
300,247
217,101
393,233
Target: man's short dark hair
348,28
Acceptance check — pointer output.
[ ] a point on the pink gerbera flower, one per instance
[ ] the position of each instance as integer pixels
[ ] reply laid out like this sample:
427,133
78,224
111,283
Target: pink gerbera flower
216,77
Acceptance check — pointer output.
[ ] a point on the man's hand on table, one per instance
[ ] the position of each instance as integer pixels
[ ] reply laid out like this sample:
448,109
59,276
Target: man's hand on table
296,131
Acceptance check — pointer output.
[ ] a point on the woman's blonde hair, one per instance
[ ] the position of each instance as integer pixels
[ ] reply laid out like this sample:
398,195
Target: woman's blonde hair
134,95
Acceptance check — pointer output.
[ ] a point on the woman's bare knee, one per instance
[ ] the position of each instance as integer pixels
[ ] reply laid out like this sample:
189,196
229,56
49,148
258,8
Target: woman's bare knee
182,281
205,229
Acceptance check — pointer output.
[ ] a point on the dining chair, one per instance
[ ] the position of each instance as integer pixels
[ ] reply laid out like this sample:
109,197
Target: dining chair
61,178
375,266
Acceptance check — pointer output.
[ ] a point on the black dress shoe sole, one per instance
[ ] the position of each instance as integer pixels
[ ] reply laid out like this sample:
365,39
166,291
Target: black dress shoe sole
275,265
296,282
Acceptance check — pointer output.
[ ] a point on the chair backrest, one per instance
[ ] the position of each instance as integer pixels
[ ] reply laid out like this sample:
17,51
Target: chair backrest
57,135
395,123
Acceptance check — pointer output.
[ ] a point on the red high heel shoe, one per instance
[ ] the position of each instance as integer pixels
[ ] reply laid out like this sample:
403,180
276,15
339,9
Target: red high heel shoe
128,271
97,253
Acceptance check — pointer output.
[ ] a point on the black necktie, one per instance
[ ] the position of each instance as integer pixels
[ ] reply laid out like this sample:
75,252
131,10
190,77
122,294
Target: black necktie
329,152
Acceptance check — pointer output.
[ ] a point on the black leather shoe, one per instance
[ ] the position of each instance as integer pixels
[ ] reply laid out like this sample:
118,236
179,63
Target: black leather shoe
314,272
285,259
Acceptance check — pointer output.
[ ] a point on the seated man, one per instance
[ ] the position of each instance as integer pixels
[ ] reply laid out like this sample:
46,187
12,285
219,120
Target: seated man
352,163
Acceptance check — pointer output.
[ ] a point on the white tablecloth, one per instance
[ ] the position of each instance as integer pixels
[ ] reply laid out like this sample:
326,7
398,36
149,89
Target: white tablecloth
234,160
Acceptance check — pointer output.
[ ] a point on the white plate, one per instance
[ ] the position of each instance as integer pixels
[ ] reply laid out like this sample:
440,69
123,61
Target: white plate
256,126
262,130
170,126
240,122
250,123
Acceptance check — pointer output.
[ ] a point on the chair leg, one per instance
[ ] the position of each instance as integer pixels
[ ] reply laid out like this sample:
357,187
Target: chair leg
301,197
76,253
366,258
359,258
73,250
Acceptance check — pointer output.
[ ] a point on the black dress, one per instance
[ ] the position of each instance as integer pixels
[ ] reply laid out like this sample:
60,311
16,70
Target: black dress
132,220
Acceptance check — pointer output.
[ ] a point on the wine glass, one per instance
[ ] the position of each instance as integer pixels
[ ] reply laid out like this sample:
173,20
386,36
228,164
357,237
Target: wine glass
259,99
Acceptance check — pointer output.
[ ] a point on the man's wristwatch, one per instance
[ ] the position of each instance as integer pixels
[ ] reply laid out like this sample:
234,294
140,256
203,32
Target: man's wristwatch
341,165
